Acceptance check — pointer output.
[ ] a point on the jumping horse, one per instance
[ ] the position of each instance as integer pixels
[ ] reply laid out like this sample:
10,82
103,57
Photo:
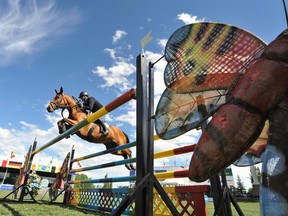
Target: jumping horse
91,132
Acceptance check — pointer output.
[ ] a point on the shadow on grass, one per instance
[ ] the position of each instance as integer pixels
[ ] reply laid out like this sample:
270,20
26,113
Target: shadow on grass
14,213
83,210
47,203
77,209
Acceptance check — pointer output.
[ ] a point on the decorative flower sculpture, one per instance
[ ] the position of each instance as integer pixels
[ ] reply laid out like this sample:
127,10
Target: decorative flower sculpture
34,183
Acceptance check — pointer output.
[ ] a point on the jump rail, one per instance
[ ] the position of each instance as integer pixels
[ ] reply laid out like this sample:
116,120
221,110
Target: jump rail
157,155
107,151
159,176
131,94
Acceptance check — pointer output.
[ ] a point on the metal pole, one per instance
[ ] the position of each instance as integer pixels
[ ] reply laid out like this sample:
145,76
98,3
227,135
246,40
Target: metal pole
141,198
150,147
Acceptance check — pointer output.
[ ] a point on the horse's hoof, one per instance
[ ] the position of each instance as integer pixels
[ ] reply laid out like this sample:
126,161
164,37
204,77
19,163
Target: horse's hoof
105,133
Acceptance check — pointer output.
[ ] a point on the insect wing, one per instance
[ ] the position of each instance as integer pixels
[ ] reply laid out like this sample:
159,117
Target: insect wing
207,56
201,57
178,113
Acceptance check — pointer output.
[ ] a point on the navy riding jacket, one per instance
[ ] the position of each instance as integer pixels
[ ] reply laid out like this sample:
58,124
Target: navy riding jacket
92,105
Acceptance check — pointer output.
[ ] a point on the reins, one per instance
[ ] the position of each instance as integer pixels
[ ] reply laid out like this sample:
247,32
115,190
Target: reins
65,106
63,111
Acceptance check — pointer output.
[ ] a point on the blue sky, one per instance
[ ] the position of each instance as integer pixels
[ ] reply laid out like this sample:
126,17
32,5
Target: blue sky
92,45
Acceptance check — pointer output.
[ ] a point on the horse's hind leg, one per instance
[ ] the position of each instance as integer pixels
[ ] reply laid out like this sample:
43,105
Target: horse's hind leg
126,157
132,166
128,154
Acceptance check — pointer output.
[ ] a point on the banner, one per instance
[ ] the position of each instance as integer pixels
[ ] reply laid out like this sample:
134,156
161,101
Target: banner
43,168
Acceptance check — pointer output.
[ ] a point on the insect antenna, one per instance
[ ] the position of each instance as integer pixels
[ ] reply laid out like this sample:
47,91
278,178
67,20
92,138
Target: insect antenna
285,10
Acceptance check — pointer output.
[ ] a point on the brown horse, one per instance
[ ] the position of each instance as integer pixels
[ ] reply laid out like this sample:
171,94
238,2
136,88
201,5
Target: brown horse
91,132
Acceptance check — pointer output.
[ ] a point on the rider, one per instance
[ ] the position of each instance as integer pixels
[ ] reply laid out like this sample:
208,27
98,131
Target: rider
91,104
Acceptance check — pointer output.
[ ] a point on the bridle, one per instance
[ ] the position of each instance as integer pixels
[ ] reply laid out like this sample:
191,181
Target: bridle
59,104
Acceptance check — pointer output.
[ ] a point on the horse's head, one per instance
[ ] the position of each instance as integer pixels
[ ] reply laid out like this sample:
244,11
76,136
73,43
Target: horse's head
59,101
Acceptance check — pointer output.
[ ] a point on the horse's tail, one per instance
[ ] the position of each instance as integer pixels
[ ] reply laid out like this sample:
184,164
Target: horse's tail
127,138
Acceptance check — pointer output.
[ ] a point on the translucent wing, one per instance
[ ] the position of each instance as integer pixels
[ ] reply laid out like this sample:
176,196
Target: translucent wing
203,59
205,56
178,113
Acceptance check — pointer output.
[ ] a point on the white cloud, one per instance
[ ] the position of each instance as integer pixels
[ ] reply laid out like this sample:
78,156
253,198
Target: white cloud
119,34
162,43
117,75
100,71
128,118
188,18
27,125
112,53
24,25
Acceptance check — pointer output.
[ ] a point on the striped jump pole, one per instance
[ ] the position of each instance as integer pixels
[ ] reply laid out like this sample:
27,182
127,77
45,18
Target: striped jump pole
100,166
172,174
104,180
167,153
176,151
108,151
131,94
160,176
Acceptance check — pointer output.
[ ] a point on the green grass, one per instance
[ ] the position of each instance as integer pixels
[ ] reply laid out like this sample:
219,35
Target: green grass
43,209
9,207
248,208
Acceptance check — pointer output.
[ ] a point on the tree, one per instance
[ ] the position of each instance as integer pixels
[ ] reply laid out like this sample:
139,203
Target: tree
107,184
240,186
255,175
83,185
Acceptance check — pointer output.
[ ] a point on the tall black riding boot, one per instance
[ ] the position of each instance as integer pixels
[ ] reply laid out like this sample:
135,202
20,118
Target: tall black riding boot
104,130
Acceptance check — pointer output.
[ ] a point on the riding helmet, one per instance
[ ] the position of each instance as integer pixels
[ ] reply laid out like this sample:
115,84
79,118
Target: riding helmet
83,93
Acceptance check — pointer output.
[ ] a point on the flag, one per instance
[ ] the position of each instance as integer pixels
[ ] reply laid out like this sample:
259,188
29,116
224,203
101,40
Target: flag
147,38
78,162
44,168
12,155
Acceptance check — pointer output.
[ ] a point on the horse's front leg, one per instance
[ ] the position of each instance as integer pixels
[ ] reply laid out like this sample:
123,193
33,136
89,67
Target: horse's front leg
64,124
61,126
70,122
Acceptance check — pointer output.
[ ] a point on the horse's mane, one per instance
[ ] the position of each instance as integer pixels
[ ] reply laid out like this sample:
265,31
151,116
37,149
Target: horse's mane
77,103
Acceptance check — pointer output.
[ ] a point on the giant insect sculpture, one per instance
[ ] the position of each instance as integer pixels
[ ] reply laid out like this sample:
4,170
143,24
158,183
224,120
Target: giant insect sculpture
238,123
91,132
223,72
